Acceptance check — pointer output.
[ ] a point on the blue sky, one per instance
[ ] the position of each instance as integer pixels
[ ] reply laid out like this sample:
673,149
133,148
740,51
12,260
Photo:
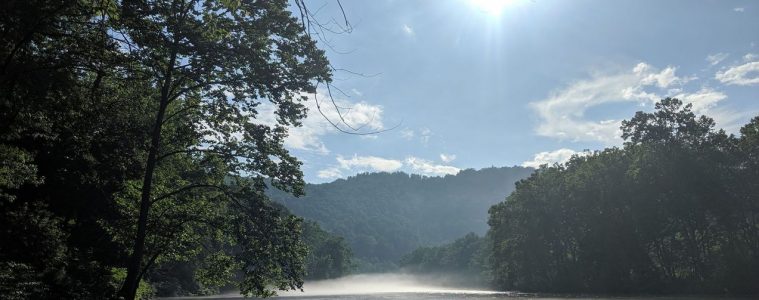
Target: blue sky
478,83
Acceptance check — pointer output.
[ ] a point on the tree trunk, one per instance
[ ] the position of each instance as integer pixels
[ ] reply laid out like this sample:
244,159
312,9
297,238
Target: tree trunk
134,267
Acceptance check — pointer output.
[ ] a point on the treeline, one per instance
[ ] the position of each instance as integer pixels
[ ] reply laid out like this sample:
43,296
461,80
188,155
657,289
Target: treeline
676,210
465,258
383,216
328,257
129,142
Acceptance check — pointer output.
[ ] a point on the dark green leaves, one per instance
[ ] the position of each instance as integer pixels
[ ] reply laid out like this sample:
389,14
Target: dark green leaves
674,211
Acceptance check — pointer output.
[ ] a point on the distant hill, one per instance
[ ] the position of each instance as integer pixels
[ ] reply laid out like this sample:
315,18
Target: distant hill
383,216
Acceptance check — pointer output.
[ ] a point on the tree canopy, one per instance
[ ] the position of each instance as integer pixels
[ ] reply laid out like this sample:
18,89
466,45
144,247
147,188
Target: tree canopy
131,137
675,210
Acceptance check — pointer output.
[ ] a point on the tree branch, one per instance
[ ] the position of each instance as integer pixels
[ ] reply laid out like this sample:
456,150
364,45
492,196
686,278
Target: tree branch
184,109
187,188
335,125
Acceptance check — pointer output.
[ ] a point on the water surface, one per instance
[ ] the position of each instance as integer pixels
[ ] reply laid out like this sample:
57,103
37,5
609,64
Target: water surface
404,286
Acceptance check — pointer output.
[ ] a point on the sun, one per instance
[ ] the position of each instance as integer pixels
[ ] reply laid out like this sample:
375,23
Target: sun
492,7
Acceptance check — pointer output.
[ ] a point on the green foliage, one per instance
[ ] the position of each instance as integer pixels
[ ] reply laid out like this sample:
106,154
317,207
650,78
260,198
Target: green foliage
675,210
465,256
19,281
144,290
127,129
40,260
383,216
328,255
213,64
16,169
275,259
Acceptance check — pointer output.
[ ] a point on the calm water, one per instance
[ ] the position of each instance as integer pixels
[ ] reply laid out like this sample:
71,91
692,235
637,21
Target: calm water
403,286
455,295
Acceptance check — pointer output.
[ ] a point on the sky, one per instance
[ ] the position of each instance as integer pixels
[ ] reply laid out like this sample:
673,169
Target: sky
448,85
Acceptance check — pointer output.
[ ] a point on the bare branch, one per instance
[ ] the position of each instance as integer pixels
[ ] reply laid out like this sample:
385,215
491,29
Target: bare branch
355,73
344,94
354,132
311,25
332,99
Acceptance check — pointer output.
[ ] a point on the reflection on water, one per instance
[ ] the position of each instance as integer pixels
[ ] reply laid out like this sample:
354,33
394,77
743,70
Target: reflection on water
403,286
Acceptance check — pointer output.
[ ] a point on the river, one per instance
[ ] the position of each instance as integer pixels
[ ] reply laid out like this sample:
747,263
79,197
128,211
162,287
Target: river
404,286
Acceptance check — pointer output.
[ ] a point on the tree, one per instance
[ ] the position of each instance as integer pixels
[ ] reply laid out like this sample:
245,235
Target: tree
673,211
210,65
129,128
672,122
328,255
463,256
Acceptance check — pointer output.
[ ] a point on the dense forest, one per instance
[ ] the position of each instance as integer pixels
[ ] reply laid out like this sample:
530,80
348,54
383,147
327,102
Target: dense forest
130,145
384,216
675,210
328,257
461,262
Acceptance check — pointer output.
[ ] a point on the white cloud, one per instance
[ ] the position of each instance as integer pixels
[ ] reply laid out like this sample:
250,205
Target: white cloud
348,115
739,9
428,168
562,114
304,138
703,100
357,92
447,157
357,164
369,137
550,157
416,165
369,162
358,115
329,173
730,120
408,30
750,57
407,134
662,79
424,135
715,59
740,75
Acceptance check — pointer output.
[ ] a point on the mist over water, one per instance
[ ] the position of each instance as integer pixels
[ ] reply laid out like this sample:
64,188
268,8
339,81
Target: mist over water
416,287
363,284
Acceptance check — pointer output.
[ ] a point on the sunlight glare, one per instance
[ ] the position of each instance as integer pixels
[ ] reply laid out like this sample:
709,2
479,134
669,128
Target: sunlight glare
492,7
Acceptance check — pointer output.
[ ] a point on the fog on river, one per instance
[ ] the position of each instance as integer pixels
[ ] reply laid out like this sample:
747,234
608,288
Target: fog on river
405,286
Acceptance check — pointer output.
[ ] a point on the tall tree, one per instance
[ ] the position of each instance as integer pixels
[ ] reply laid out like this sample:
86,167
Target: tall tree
211,64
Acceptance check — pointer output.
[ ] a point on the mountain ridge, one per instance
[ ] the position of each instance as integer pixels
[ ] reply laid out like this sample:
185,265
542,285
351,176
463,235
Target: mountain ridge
384,216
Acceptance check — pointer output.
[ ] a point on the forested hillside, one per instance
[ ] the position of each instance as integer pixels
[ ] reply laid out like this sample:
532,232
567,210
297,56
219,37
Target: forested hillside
467,257
384,216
